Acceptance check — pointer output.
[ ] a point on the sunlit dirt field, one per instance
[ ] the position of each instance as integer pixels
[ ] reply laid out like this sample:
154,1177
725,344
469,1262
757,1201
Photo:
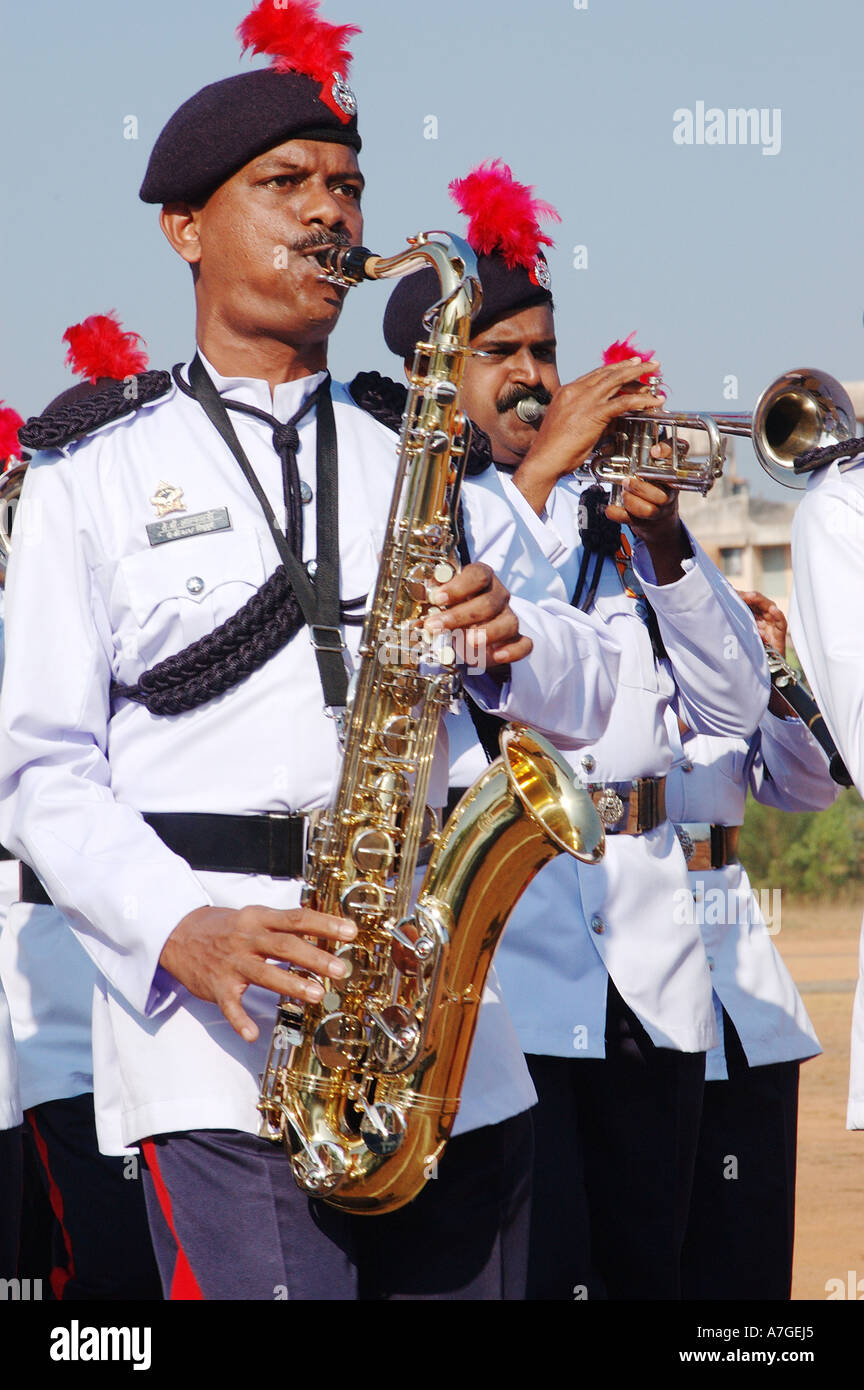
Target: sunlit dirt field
819,944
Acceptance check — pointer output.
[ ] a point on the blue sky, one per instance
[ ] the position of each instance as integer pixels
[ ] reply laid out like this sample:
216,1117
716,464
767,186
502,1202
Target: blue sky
730,262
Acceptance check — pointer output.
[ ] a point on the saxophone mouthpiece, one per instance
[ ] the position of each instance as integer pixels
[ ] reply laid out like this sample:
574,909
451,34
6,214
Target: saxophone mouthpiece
530,410
347,265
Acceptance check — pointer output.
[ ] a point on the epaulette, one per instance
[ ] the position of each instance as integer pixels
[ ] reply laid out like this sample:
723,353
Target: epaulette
72,420
384,399
847,452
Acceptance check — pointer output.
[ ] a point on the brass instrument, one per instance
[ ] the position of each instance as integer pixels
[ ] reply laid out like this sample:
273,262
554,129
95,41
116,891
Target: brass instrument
803,409
363,1088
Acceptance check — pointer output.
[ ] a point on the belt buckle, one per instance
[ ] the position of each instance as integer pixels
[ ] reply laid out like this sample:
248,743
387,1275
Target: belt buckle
610,808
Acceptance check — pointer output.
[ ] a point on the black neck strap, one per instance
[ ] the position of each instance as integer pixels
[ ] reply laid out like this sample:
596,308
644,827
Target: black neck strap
318,594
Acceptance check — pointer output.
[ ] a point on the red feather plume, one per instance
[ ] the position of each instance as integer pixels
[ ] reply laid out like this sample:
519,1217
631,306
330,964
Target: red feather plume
100,347
10,424
297,40
504,215
622,350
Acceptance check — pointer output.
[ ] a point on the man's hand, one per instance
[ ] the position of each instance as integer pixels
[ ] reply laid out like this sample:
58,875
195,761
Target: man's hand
217,952
770,620
476,602
651,512
578,415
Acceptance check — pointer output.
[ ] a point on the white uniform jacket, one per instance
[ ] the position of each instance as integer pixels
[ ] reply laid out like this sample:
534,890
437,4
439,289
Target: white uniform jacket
577,925
89,599
783,766
826,627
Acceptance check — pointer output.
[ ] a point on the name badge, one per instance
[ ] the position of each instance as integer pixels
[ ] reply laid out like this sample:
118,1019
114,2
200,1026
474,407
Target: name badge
178,528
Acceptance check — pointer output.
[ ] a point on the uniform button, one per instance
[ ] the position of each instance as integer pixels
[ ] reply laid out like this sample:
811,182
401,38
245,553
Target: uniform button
195,584
597,924
710,962
305,492
686,766
312,568
588,762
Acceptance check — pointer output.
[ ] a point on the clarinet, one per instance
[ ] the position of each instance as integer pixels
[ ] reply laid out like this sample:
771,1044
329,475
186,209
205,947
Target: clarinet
791,686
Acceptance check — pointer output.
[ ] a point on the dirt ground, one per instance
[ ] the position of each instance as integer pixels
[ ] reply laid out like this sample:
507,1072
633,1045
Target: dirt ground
819,944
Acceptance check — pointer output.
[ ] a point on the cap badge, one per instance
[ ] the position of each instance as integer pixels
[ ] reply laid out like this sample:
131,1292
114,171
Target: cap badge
168,498
541,274
343,95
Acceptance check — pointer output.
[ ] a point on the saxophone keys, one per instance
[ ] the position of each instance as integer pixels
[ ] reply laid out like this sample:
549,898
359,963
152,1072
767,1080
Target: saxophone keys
362,898
382,1127
396,737
374,851
396,1037
340,1042
392,791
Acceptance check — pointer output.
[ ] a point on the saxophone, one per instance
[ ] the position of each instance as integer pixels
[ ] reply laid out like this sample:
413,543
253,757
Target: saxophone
363,1088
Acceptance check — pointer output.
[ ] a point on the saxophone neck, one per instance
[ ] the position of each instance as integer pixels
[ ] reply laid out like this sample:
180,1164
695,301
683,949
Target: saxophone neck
450,256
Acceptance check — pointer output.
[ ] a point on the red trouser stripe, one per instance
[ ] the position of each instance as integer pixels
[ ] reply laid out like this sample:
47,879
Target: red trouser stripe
59,1276
184,1285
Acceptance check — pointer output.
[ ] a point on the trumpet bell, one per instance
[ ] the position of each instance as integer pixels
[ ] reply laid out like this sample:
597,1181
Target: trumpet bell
803,409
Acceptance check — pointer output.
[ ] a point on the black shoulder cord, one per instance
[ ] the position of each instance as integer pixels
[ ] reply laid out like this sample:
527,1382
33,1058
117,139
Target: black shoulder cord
319,597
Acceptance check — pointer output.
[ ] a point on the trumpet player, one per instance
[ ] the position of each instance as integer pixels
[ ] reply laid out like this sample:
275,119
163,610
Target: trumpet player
610,997
165,737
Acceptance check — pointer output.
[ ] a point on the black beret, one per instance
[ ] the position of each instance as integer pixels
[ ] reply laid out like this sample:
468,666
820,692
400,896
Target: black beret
505,292
230,122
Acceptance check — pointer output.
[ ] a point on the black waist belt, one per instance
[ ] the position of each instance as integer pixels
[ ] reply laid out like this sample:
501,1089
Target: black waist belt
273,845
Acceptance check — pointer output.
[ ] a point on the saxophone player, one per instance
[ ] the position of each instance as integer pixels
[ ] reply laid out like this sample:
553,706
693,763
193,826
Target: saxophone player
610,997
165,735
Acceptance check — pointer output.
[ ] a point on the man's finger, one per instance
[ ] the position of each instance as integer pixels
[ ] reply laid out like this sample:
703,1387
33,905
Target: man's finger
304,922
237,1016
512,652
473,579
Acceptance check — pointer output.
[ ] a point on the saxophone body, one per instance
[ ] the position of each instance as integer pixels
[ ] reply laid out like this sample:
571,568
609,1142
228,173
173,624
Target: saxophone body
363,1088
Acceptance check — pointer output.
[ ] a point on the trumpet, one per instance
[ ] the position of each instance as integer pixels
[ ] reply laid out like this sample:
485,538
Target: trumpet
801,410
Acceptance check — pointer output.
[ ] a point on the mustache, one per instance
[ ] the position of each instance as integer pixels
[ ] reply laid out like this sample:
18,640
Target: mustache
320,238
514,394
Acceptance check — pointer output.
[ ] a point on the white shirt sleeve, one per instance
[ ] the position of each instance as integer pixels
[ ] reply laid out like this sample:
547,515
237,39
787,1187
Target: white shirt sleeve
109,873
714,646
566,687
790,770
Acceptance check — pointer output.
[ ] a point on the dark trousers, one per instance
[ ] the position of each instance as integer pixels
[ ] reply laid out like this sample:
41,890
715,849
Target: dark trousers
742,1215
10,1200
229,1222
101,1244
615,1149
